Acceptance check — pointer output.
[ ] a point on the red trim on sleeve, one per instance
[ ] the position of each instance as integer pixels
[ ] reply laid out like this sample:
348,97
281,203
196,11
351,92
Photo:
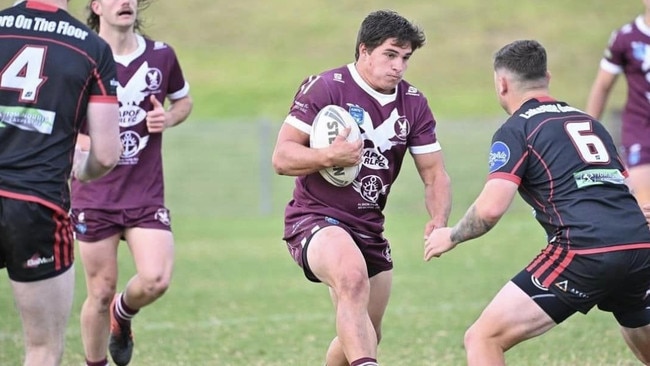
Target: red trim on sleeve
507,176
111,99
37,5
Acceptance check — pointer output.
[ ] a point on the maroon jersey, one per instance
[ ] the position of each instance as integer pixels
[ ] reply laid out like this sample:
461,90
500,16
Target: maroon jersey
52,66
390,125
137,180
628,52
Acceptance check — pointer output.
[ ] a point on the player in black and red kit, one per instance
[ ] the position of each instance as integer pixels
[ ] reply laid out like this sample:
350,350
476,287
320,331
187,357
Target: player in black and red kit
565,165
54,73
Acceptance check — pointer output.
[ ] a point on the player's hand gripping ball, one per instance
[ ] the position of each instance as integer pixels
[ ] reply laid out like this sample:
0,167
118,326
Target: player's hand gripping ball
329,123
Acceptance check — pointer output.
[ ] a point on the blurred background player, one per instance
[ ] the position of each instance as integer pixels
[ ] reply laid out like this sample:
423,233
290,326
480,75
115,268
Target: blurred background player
336,234
129,203
628,53
38,134
565,165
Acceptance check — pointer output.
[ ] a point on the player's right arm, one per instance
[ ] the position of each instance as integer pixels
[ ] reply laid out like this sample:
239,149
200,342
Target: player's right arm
106,147
293,156
599,93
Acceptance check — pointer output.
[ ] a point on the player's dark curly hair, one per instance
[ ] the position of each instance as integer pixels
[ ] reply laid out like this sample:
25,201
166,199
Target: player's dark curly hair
526,58
381,25
92,19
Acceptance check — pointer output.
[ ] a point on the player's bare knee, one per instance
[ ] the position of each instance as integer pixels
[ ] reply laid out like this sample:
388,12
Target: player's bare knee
352,284
155,287
101,296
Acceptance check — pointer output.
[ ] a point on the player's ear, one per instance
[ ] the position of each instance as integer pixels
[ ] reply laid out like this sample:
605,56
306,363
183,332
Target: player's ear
95,7
500,83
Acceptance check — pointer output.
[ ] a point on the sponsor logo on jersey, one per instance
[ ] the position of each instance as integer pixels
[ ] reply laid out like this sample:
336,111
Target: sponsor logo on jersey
28,119
538,284
370,187
592,177
36,260
412,91
357,113
499,156
331,220
373,159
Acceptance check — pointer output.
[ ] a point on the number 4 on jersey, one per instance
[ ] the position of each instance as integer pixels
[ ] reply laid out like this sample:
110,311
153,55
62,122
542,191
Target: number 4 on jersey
24,73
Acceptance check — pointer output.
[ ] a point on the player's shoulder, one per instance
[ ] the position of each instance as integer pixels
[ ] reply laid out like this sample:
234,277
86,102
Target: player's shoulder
336,76
634,28
409,90
157,46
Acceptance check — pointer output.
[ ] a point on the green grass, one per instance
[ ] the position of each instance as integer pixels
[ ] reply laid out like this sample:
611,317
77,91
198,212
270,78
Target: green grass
246,58
237,298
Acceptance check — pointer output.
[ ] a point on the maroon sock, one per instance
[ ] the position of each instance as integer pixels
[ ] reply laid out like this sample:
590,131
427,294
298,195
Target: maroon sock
103,362
123,312
365,361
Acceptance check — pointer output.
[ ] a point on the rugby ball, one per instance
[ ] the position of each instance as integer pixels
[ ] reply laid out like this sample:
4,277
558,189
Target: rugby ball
329,123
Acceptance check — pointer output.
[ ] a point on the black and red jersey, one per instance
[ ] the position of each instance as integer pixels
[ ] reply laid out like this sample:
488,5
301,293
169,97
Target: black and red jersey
568,170
51,67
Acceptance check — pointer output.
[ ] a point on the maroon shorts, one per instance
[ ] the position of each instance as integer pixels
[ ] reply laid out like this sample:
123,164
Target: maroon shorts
375,249
36,242
91,225
635,142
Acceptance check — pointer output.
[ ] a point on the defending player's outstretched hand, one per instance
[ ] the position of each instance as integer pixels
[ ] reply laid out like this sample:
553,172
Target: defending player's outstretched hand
437,243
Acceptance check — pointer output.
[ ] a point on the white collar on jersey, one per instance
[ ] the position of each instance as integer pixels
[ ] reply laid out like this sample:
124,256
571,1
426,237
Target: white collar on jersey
640,23
127,59
383,99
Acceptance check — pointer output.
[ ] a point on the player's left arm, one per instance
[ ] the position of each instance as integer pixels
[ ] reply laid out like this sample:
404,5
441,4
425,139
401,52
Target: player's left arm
437,188
481,217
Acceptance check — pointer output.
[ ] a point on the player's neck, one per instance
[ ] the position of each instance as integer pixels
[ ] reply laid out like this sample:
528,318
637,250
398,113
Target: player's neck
122,43
63,4
646,17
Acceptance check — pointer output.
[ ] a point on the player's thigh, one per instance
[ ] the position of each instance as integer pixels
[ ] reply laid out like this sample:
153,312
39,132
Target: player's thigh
512,317
639,182
152,251
333,256
380,289
99,259
45,306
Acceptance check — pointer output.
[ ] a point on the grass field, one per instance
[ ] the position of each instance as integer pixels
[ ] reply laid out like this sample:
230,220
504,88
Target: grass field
237,298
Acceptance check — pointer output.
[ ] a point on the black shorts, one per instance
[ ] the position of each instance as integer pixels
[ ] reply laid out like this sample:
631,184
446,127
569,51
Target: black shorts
36,242
616,281
375,250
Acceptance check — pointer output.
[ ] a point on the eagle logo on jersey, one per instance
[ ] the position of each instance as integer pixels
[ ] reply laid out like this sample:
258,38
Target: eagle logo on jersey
131,95
383,134
154,78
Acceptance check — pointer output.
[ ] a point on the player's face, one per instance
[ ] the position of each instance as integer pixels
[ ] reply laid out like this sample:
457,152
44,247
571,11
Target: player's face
116,13
384,67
